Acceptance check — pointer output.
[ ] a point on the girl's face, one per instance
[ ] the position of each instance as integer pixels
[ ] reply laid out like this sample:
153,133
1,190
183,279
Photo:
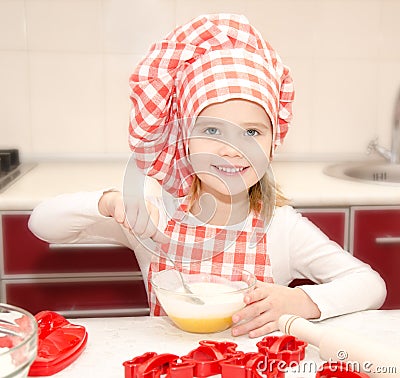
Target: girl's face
230,146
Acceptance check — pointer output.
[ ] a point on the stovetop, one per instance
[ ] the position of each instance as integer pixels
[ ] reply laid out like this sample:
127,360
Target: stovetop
11,168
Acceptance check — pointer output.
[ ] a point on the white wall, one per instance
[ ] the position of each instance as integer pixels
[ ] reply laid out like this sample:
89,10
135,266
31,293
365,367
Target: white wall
65,64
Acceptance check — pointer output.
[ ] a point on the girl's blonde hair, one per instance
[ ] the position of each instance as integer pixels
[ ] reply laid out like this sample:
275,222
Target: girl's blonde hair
264,195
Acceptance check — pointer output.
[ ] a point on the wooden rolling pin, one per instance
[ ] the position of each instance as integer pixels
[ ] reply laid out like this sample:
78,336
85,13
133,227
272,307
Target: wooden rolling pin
335,344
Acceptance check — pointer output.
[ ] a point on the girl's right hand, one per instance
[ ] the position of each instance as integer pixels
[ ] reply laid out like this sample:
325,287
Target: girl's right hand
141,219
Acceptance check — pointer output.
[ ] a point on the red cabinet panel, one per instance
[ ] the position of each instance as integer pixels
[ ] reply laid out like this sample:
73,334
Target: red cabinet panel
23,253
333,223
76,280
377,242
75,295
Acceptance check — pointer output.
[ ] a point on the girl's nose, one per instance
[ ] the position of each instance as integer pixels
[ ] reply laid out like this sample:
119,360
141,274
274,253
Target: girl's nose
226,149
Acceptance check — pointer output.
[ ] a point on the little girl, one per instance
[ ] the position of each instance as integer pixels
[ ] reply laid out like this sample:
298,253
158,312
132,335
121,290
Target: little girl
211,102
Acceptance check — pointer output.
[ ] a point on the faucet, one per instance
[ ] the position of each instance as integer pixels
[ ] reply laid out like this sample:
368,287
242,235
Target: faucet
392,155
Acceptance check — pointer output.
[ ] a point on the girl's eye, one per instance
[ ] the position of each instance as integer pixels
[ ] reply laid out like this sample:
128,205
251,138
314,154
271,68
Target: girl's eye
252,132
212,131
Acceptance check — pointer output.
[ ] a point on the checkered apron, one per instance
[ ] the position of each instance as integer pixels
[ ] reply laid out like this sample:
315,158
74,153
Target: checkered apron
210,249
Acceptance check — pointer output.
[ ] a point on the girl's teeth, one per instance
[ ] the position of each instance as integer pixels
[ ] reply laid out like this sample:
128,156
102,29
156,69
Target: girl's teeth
230,170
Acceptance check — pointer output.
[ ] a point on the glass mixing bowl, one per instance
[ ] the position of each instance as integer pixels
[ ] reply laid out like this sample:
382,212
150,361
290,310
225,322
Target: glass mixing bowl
18,341
221,297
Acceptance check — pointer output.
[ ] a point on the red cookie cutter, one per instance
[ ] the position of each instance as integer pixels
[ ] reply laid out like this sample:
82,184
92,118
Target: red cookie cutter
132,366
286,348
207,360
338,370
210,358
153,365
59,343
181,370
227,348
251,365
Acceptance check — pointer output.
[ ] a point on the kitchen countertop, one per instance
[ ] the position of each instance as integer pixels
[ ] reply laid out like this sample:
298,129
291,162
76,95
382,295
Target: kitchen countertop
304,183
111,341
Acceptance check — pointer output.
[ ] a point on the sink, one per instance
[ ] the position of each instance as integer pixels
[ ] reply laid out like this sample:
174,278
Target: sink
372,172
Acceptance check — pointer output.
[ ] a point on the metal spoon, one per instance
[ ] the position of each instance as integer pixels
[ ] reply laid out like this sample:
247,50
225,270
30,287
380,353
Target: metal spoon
192,297
133,190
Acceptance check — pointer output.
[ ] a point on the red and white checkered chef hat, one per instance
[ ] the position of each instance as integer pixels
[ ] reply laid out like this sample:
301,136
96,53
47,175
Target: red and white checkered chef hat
211,59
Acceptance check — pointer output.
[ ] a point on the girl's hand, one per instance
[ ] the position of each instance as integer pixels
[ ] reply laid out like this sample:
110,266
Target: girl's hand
266,303
142,220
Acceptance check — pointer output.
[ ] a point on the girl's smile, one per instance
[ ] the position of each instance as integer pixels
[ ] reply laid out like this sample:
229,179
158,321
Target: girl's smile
229,170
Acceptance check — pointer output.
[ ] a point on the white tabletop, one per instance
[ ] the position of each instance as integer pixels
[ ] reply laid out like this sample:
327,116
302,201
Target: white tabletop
115,340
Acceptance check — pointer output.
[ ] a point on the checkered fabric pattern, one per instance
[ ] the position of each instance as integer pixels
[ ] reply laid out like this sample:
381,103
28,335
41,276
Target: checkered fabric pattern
213,250
211,59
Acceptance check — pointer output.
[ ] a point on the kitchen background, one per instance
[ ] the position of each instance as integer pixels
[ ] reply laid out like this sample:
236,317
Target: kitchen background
65,65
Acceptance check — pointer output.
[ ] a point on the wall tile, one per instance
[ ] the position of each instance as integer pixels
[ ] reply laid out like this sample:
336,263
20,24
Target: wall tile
345,106
347,29
390,34
118,68
64,25
67,103
65,66
298,140
188,9
15,127
288,25
12,25
131,26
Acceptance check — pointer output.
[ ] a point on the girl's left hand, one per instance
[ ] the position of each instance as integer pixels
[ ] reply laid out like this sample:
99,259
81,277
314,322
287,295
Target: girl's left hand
266,303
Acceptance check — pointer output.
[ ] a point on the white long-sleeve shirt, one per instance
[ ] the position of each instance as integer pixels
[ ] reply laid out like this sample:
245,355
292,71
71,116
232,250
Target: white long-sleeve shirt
297,249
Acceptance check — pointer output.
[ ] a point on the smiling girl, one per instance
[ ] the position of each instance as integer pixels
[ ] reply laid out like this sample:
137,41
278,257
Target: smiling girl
211,102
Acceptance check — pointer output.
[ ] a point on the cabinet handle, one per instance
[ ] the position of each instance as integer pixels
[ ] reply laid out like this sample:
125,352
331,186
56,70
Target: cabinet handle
388,240
83,246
